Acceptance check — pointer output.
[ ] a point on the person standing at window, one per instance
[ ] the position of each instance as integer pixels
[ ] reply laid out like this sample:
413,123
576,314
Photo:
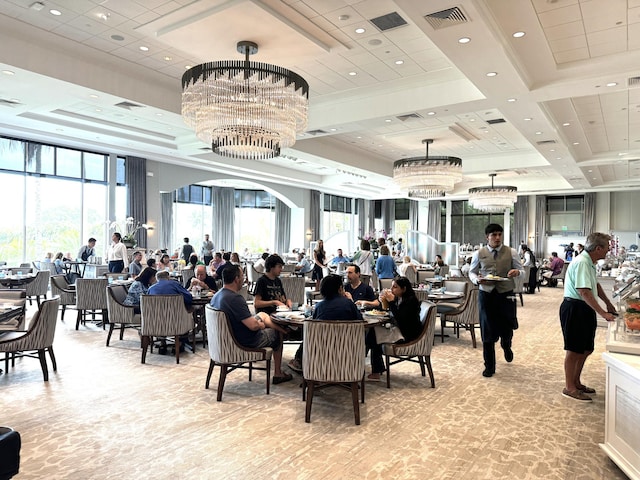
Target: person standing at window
117,254
187,250
206,251
319,259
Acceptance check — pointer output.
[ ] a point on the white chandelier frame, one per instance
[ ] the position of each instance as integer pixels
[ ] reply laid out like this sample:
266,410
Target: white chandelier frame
494,198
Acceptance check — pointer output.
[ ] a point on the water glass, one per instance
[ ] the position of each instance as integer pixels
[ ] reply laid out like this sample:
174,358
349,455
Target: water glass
120,277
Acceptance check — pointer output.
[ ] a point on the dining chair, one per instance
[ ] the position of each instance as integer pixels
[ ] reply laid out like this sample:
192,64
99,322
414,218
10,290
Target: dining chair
294,288
412,275
10,444
252,277
164,316
468,316
61,288
225,351
37,339
91,299
120,314
444,270
187,275
384,283
452,286
333,354
21,270
418,350
38,287
374,281
518,284
17,298
560,276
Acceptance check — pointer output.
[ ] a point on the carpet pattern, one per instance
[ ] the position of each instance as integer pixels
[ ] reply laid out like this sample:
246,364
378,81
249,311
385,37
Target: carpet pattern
105,415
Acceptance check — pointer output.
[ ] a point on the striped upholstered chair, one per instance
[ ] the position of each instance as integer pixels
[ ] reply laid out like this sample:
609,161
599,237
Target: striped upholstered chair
38,286
226,352
91,299
164,316
38,338
468,316
294,288
333,354
61,288
120,314
420,347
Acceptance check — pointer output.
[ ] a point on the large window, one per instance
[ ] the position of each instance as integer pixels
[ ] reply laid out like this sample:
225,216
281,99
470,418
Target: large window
468,224
565,215
55,198
401,225
192,215
254,220
337,215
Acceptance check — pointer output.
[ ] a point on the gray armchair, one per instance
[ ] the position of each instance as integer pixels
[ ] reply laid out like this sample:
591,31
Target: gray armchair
62,289
121,315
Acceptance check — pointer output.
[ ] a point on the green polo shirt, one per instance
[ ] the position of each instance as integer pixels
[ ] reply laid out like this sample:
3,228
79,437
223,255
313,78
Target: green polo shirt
580,274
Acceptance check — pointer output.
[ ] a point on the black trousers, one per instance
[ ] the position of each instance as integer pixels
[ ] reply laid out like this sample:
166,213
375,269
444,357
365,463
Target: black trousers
116,266
497,316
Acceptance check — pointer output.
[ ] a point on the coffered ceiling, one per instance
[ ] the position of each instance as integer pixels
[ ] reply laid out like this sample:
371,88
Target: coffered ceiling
554,109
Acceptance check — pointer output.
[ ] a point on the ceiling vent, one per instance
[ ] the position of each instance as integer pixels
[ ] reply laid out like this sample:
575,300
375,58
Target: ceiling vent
633,82
388,21
317,132
496,120
8,103
409,116
128,105
446,18
546,142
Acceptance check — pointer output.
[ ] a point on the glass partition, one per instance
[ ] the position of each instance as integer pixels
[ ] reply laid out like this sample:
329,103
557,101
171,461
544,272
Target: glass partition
424,248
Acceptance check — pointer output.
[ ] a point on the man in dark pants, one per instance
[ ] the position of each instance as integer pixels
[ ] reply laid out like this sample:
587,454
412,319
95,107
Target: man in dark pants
493,268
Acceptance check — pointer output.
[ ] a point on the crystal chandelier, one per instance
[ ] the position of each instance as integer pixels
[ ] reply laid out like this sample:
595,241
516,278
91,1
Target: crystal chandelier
494,198
245,110
427,177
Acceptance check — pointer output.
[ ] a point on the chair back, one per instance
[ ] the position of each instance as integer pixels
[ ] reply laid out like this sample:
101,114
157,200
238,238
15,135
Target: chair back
444,270
457,286
187,275
294,288
21,270
116,276
36,265
60,287
118,312
42,328
90,293
52,268
374,280
384,283
25,265
424,343
289,268
222,344
559,276
252,274
39,285
469,313
164,316
366,279
424,274
519,281
334,351
411,275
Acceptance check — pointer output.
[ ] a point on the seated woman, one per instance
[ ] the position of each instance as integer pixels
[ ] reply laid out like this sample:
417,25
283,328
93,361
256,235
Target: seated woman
193,261
438,264
406,265
385,265
140,286
334,306
59,263
405,308
165,263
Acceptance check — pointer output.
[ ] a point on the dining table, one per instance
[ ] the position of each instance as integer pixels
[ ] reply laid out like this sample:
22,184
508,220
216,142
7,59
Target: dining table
199,302
14,281
294,319
435,296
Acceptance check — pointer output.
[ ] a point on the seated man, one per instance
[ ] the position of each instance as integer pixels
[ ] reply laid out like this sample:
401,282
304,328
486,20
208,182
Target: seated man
252,331
226,261
356,291
135,267
167,286
304,265
339,258
216,262
554,268
202,280
259,264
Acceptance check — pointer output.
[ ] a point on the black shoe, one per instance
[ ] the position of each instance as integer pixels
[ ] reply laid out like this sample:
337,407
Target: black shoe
508,355
488,373
162,351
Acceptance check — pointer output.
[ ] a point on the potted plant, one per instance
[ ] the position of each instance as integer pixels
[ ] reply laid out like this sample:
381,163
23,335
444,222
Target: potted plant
128,234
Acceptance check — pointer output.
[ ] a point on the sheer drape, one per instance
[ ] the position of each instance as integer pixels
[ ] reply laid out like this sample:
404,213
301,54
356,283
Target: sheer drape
414,208
223,217
371,224
434,219
166,221
315,214
541,226
362,218
283,227
136,175
520,221
589,223
388,214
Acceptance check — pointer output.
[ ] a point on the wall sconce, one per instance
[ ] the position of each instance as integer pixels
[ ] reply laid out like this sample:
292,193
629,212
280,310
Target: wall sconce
309,234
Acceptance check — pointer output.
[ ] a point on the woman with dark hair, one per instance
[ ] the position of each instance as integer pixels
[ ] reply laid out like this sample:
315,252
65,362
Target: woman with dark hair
140,286
165,263
335,306
364,258
405,308
319,257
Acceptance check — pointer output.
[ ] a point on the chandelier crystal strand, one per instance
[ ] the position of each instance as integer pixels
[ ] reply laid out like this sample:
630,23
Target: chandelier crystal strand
245,110
427,177
493,199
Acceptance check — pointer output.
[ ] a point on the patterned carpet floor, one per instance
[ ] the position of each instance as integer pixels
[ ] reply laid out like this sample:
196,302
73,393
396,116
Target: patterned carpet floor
104,415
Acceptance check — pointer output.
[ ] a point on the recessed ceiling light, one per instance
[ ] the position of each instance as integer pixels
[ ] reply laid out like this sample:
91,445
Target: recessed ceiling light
103,16
552,150
187,67
158,114
431,113
333,129
622,153
8,72
612,84
464,40
343,17
558,158
528,119
360,30
576,143
511,100
93,95
518,34
358,138
589,171
472,119
144,49
538,133
566,124
98,109
492,74
375,42
168,59
353,74
388,120
117,38
57,13
593,178
399,62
